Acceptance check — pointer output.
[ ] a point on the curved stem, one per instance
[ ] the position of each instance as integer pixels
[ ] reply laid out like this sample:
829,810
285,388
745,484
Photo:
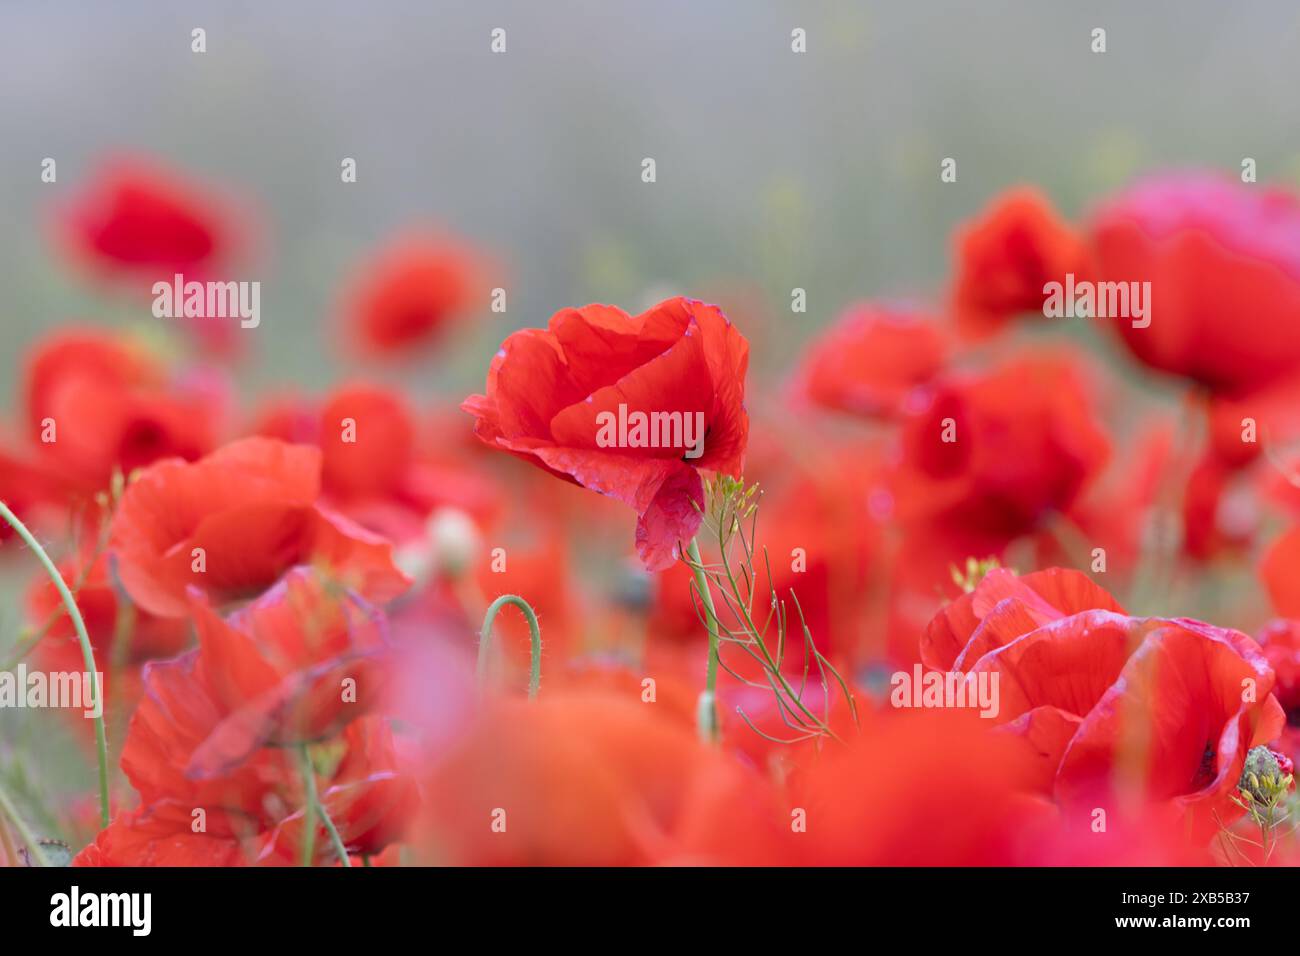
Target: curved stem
87,652
706,717
535,636
315,808
28,640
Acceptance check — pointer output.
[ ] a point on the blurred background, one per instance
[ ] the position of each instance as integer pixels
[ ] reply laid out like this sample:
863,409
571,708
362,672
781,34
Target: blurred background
775,170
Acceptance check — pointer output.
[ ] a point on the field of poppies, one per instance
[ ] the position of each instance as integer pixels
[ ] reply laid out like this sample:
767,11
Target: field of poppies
1003,573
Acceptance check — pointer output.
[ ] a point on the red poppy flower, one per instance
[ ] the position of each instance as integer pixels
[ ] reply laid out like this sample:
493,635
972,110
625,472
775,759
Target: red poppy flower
367,441
232,523
406,295
250,810
381,466
96,404
70,354
297,664
1117,711
1280,570
1007,255
177,716
872,359
1003,606
1002,451
287,416
368,795
369,800
1242,427
565,398
1145,836
676,694
137,217
1280,640
28,489
1175,726
1221,258
592,779
163,834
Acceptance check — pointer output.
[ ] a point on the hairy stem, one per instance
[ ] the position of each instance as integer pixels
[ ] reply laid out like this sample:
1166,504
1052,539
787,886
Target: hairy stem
535,637
87,652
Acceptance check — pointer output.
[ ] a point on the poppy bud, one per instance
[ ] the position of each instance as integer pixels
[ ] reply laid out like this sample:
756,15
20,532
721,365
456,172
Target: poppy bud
1262,777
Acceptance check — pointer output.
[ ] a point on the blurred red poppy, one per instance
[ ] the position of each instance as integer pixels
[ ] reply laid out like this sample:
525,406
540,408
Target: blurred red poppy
1224,266
918,788
176,717
72,353
96,404
553,394
28,489
1280,571
298,663
232,523
135,216
1242,427
367,441
250,810
1002,451
593,779
382,466
1006,255
370,801
406,295
369,795
163,834
873,357
1280,640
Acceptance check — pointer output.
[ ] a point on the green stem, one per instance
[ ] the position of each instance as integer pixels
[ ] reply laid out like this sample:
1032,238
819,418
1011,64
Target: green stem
535,636
27,641
87,652
706,717
34,850
315,808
